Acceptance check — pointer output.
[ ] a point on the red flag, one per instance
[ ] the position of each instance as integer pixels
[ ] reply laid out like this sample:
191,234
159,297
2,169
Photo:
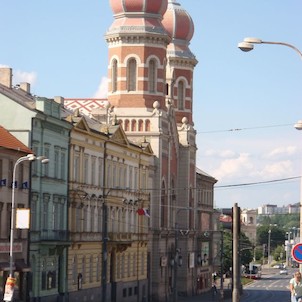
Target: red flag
143,211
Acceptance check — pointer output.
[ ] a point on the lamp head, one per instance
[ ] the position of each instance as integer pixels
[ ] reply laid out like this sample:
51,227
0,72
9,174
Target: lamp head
298,125
31,157
245,46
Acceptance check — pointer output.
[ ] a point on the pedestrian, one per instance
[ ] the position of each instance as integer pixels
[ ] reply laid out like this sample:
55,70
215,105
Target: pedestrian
295,286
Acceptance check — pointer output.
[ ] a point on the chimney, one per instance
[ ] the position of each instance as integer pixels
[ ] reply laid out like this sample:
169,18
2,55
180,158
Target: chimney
59,100
25,87
6,75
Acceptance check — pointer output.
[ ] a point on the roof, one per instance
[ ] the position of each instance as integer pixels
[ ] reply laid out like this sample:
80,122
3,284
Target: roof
8,141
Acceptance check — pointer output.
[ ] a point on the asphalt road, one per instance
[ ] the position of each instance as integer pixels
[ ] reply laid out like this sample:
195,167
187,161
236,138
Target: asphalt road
272,287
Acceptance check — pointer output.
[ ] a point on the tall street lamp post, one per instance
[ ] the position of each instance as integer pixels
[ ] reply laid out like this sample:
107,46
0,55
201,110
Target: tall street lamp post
269,246
28,157
298,126
247,45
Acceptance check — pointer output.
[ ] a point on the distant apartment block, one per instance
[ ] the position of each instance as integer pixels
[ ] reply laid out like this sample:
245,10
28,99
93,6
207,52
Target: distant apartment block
270,209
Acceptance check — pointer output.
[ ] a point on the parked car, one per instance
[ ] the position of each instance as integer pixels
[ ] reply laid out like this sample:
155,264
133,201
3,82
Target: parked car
283,271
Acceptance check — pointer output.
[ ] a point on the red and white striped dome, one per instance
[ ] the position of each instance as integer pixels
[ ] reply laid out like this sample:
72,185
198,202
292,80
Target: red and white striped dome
177,22
139,6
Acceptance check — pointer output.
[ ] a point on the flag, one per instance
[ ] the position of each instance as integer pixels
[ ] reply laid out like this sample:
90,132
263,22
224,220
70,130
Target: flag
143,211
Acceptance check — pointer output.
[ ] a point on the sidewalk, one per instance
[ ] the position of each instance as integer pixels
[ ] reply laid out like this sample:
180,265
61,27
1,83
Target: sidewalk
209,297
204,297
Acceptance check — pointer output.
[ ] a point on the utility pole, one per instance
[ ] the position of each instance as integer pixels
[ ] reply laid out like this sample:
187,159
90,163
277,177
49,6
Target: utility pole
221,268
236,264
175,294
104,251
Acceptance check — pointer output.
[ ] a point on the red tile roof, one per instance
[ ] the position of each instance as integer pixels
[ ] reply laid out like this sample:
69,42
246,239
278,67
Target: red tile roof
8,141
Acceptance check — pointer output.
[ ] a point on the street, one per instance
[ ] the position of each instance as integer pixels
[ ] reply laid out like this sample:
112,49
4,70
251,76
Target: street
272,287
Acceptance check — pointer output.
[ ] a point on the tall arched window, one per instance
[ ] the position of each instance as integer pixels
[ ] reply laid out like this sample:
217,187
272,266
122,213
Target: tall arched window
133,125
127,127
114,75
140,125
131,75
180,95
152,76
147,125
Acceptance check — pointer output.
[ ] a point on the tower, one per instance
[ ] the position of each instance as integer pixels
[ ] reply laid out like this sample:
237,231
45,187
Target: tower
150,75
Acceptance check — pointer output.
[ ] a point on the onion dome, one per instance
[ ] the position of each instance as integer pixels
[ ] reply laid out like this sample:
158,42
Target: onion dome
139,6
134,16
177,22
180,27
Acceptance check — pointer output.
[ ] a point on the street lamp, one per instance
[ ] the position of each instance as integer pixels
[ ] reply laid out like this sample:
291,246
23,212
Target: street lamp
248,45
28,157
269,246
288,246
298,126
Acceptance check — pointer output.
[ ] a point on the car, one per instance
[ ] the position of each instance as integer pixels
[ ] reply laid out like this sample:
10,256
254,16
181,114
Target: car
283,271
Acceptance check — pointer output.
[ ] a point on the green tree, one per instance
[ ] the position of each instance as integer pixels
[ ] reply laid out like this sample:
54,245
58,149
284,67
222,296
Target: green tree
277,235
246,250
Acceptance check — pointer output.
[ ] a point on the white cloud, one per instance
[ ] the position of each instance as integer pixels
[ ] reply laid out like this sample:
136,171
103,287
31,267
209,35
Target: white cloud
281,151
24,76
220,153
234,168
102,89
277,170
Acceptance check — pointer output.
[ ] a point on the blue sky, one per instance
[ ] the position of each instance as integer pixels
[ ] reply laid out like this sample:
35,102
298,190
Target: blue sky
59,47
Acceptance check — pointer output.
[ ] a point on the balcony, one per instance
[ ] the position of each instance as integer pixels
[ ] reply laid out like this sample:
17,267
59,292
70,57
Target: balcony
49,235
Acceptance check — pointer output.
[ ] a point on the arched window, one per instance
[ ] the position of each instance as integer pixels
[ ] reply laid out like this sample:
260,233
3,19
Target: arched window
180,95
127,124
133,125
147,125
131,75
140,125
152,76
114,75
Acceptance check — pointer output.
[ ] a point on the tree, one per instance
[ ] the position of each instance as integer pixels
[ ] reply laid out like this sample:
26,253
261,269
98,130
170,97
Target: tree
277,235
246,250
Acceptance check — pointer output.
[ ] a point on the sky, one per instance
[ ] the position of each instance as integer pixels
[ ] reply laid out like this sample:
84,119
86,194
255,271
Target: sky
245,104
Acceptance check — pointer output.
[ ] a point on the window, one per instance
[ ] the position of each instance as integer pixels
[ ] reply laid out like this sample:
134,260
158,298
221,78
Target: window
93,166
74,269
46,198
147,125
10,173
86,169
56,164
114,75
131,75
46,154
100,172
20,176
63,163
76,168
133,125
140,125
152,76
180,95
127,125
